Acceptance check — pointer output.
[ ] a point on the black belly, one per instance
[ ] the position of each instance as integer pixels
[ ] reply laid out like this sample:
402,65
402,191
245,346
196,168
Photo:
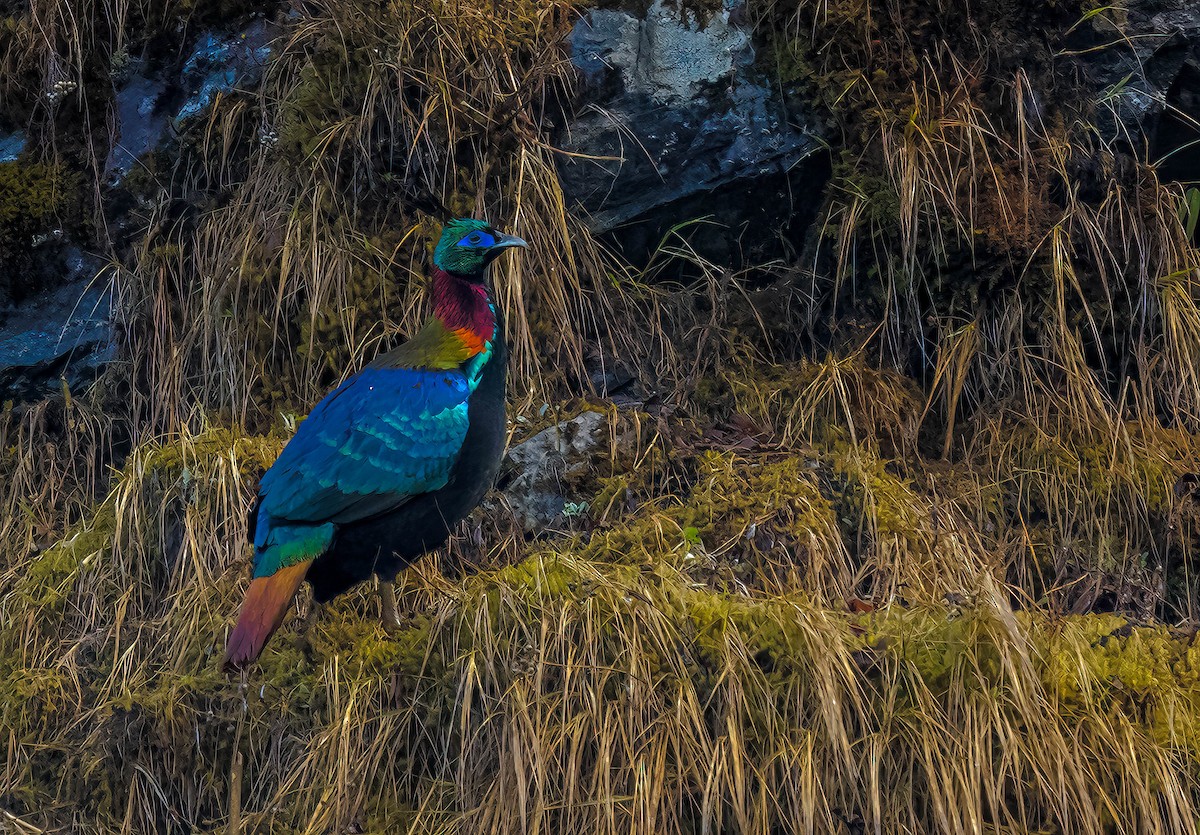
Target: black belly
388,543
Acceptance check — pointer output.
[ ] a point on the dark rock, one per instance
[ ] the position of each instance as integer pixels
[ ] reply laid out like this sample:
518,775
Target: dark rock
613,380
140,121
66,333
1148,72
150,104
676,123
59,323
1175,141
223,63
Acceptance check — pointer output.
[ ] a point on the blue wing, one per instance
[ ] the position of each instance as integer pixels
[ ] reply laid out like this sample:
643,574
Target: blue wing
383,436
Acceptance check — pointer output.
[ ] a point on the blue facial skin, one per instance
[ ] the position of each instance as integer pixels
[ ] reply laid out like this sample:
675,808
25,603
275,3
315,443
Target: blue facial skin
478,239
467,246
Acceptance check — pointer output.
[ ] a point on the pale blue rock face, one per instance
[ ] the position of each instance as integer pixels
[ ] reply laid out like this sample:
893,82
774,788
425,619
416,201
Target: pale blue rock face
150,104
65,334
223,63
140,125
11,145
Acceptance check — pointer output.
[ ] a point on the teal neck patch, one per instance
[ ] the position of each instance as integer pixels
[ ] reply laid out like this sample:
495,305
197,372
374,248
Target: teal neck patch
473,368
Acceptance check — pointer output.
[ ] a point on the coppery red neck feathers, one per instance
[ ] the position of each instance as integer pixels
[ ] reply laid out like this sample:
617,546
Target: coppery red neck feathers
463,305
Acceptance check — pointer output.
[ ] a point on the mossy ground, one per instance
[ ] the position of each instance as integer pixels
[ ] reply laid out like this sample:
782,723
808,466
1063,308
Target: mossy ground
744,635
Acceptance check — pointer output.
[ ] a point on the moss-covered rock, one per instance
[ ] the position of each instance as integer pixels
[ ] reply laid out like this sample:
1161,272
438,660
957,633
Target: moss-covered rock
40,203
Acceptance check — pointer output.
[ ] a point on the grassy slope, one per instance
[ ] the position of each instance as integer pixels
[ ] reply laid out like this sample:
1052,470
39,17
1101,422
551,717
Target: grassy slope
815,595
668,668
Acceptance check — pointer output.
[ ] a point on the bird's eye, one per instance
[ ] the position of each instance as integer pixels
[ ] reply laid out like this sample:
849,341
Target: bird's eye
477,240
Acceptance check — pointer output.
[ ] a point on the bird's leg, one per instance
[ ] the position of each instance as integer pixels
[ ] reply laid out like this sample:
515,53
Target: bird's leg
313,614
387,601
305,625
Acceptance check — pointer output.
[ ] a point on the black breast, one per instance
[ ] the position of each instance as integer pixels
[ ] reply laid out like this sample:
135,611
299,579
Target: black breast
388,543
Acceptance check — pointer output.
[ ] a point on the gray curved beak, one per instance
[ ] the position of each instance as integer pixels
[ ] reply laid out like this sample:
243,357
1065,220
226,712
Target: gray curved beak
503,241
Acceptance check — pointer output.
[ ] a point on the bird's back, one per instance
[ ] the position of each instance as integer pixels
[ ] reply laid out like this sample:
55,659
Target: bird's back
389,541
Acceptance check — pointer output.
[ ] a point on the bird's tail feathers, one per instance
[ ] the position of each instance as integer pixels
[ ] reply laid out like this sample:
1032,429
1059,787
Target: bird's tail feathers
266,603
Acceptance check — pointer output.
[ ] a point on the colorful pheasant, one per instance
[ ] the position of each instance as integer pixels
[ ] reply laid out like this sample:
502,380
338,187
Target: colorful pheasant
389,461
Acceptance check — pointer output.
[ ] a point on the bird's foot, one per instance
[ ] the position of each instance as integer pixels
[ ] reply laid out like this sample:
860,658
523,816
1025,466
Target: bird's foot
387,605
304,627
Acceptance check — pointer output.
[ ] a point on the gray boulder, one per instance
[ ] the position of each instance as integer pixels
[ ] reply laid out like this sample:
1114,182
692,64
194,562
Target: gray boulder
1147,74
539,494
149,105
64,334
675,122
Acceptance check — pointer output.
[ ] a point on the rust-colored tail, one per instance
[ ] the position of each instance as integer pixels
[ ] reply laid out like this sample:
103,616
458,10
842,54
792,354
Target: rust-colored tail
266,602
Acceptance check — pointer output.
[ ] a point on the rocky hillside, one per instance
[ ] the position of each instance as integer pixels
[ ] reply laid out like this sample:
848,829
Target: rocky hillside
854,471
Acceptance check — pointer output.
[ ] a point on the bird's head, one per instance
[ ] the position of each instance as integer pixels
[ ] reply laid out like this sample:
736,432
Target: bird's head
467,246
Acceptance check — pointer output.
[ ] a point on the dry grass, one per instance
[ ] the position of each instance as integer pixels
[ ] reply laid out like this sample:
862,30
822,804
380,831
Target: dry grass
317,259
617,682
864,590
689,665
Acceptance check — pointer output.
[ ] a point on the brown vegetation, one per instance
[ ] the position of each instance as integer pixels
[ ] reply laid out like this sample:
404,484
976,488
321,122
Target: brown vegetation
835,590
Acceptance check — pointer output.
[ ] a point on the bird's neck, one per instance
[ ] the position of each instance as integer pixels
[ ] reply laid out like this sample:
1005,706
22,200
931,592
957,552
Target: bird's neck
465,308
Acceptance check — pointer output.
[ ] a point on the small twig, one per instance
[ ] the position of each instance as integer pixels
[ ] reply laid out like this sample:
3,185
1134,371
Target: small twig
235,794
18,825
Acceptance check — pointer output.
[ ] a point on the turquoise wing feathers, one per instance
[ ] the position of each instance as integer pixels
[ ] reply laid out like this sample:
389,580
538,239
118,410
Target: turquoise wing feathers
383,436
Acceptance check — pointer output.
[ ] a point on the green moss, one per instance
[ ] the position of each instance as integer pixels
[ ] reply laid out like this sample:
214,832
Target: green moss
328,93
32,193
162,474
873,189
1087,665
35,200
51,576
1128,476
828,403
1107,658
892,506
620,613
